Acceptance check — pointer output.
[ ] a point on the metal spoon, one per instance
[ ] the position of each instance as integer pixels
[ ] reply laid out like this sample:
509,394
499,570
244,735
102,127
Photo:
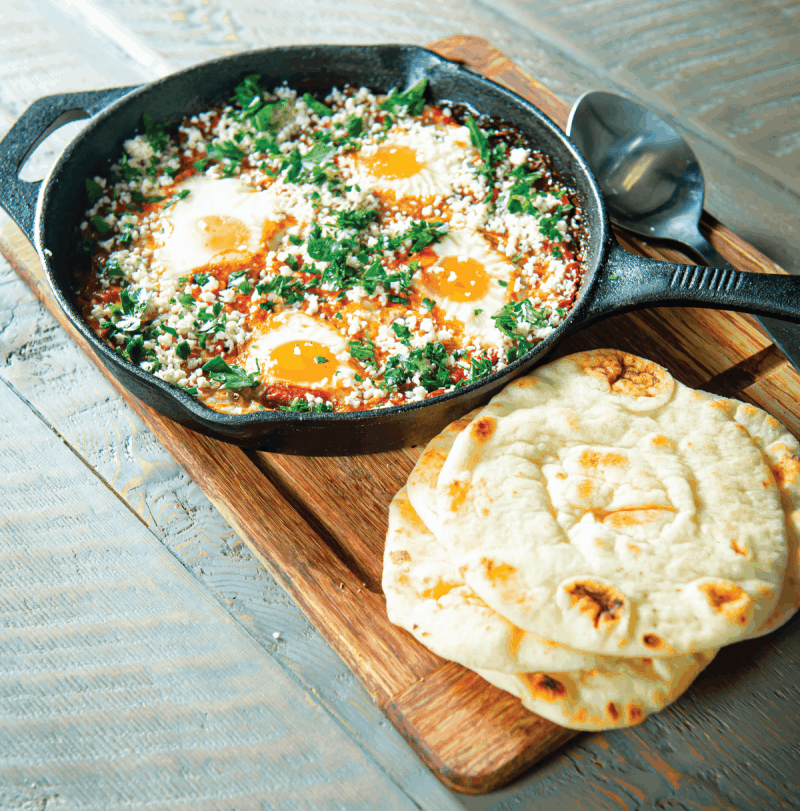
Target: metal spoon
652,182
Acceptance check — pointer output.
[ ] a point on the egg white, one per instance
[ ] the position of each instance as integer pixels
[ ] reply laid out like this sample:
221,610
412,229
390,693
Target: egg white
442,151
181,234
474,314
295,327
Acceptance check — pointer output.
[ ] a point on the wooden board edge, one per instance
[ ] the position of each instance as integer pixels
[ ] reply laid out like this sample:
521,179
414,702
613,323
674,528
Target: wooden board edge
322,570
496,738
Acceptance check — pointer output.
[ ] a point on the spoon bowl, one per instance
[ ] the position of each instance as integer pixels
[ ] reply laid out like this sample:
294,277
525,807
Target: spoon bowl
652,182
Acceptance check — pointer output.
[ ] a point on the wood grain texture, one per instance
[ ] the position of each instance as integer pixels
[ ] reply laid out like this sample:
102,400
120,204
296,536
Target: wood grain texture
438,676
448,697
352,617
86,618
39,359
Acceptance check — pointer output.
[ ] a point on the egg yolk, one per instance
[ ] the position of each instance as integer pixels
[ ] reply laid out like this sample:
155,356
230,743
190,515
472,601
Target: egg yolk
303,362
222,234
392,162
461,279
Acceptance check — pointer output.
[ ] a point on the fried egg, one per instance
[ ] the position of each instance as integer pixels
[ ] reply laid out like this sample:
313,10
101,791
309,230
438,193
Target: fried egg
467,278
219,220
297,349
422,161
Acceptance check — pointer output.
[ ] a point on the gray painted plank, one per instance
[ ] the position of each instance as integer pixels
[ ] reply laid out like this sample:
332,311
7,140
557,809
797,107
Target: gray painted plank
122,683
38,359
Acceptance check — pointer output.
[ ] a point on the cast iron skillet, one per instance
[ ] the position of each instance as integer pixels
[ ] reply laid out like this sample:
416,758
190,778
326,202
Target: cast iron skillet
49,211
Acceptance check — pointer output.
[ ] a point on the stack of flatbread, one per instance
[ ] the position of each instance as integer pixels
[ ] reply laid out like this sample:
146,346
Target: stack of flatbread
590,538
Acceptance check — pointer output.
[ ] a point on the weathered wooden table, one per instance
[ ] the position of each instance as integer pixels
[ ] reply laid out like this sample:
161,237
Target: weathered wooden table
147,659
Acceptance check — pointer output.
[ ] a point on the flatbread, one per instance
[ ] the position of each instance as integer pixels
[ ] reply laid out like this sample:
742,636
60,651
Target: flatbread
423,479
595,700
426,596
781,452
622,511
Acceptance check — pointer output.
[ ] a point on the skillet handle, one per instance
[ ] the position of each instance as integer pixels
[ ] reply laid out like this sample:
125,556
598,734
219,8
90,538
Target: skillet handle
18,197
629,282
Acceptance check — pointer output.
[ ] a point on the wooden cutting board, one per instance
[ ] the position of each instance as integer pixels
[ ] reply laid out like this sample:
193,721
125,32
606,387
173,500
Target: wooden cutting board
318,524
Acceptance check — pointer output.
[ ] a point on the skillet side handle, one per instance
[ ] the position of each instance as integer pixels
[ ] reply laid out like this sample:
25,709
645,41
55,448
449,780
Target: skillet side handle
630,282
18,197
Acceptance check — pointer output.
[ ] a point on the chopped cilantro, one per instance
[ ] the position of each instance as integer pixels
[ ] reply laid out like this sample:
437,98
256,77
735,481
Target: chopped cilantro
362,350
227,150
301,405
175,197
402,332
480,367
320,359
412,99
233,377
318,154
478,139
201,279
248,92
289,289
94,190
187,299
182,350
156,133
354,126
316,106
101,224
357,219
134,349
132,302
113,270
429,303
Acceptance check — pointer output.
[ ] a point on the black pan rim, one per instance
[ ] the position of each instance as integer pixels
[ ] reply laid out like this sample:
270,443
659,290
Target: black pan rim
228,422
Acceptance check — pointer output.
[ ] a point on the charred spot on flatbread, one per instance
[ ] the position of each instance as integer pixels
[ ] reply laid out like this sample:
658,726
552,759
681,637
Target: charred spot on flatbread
628,374
635,714
613,712
602,603
728,599
545,687
458,491
400,556
786,470
483,428
652,641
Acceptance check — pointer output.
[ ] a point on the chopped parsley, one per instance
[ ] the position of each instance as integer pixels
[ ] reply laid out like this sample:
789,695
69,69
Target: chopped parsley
411,101
317,106
353,256
94,190
232,377
363,351
301,405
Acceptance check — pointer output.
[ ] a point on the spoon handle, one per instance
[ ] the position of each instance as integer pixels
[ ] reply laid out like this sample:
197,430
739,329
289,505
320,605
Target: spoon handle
628,282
